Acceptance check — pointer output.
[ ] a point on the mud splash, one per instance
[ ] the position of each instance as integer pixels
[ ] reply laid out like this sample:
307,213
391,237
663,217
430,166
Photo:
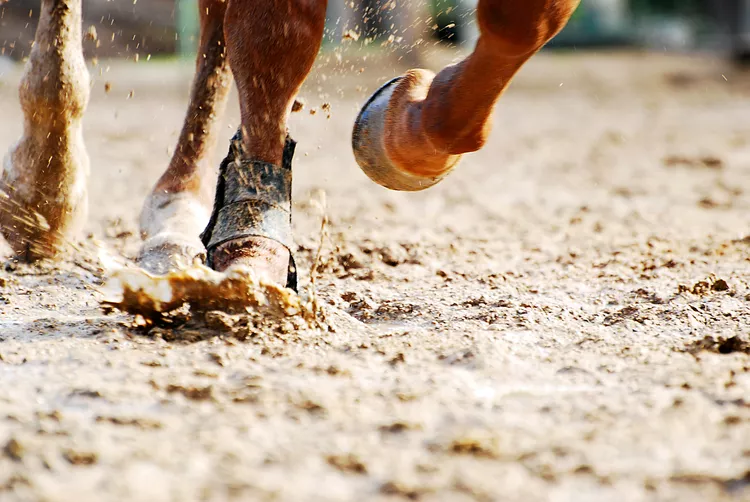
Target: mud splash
201,290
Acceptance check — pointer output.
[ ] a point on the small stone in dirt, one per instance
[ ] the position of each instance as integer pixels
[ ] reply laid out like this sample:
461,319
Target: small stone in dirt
350,261
399,358
477,447
393,255
93,394
13,482
141,423
312,407
394,310
398,427
362,309
220,321
216,358
205,373
192,393
347,463
80,457
732,420
349,296
406,397
720,285
709,203
332,370
55,415
399,489
14,450
720,345
704,287
708,162
712,162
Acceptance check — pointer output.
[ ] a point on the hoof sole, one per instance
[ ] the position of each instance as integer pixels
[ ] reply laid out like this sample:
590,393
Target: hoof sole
369,148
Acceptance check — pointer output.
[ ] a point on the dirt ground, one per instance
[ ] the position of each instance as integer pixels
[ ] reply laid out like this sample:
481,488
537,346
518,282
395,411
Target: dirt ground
565,318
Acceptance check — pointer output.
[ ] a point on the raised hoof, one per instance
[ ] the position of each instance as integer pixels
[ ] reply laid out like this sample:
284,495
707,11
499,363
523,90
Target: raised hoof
369,146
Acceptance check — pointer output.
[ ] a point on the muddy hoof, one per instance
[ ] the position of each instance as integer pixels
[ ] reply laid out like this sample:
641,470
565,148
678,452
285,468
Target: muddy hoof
167,252
369,147
171,224
253,205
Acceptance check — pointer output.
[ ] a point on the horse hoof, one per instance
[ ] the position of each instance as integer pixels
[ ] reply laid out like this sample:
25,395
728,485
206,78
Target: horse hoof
369,147
171,224
164,253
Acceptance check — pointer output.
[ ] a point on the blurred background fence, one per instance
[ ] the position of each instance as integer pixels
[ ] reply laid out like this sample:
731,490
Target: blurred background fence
125,28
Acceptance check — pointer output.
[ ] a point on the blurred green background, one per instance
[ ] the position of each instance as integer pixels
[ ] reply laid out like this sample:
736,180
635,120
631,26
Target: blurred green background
171,26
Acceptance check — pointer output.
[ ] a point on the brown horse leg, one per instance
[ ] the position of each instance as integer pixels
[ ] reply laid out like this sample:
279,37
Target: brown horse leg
271,47
413,131
179,206
43,197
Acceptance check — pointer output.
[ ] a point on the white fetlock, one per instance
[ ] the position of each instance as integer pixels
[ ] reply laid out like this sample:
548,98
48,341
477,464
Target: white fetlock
171,224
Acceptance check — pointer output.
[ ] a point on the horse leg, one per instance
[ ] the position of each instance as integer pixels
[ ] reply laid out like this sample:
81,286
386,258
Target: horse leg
179,206
413,131
271,47
43,192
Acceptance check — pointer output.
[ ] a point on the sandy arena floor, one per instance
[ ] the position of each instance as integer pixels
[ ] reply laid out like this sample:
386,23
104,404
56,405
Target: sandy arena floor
565,318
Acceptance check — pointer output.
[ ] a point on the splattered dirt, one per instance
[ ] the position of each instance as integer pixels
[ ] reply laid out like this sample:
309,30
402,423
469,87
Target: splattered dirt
565,318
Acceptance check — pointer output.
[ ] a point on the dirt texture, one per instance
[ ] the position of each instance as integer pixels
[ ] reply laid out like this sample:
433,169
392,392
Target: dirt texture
564,318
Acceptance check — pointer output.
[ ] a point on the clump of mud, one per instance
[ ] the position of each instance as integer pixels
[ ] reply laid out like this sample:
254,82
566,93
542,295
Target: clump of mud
199,299
718,345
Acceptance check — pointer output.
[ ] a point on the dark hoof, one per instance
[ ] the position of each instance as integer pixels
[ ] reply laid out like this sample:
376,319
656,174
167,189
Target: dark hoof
253,199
